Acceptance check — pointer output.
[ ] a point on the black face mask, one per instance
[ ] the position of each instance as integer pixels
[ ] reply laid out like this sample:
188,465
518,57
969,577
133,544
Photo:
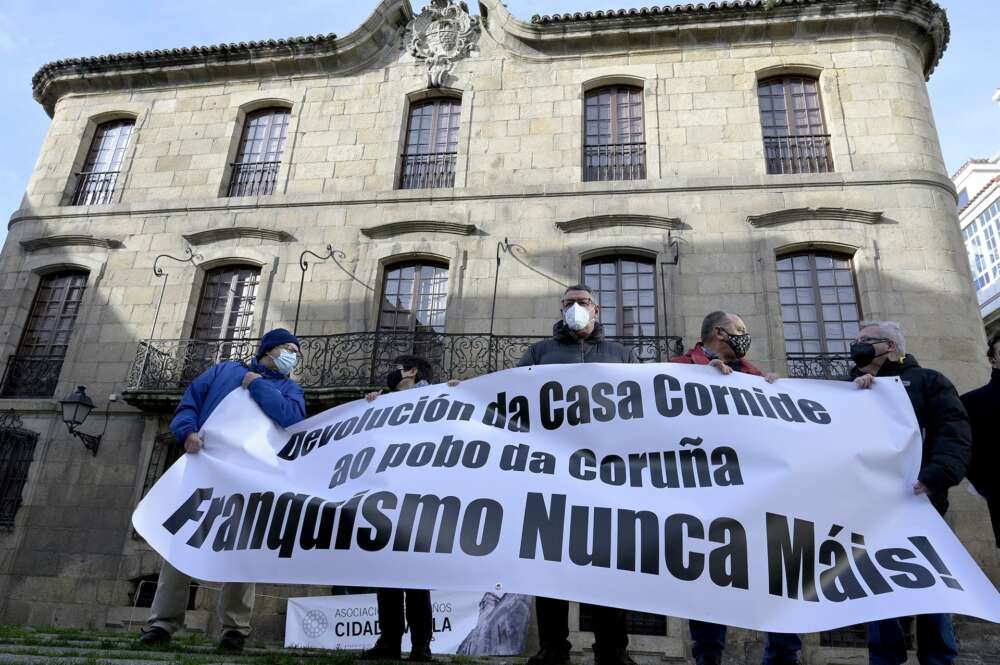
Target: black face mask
740,344
393,378
863,354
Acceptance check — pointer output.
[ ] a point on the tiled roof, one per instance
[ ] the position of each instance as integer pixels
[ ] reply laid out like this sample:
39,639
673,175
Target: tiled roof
689,8
176,55
970,162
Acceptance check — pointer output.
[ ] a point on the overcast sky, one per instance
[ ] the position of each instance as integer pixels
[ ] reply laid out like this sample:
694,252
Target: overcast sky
33,32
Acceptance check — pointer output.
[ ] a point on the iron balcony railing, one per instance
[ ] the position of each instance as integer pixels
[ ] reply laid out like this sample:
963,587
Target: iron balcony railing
356,360
253,178
31,376
614,161
798,154
436,169
95,187
819,365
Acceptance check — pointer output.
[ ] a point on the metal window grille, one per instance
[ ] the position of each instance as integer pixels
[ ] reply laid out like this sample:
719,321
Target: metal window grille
255,171
636,623
428,159
820,313
34,370
795,136
166,450
17,450
96,183
614,134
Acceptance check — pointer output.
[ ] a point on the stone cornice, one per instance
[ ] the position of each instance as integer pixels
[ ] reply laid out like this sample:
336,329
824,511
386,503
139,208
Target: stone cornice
596,222
731,22
333,200
236,233
814,214
418,226
49,242
223,62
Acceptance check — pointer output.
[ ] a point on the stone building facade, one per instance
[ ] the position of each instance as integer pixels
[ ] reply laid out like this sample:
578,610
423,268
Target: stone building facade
978,186
781,162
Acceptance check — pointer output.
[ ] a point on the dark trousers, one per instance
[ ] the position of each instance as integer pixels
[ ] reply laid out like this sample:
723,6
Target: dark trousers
391,619
935,641
709,639
610,633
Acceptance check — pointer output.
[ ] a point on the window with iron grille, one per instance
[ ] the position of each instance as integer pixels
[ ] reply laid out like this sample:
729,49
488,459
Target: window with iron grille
791,117
17,450
819,313
96,183
431,144
636,623
166,450
255,171
614,134
625,289
224,322
34,370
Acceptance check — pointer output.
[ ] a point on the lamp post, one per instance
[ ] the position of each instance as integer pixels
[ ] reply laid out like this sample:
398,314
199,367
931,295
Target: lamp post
190,257
336,255
75,408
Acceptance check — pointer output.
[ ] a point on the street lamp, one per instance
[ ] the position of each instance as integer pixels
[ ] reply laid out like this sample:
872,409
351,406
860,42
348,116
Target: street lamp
75,408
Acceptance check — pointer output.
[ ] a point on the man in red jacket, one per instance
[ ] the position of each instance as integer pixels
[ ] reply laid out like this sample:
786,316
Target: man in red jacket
725,341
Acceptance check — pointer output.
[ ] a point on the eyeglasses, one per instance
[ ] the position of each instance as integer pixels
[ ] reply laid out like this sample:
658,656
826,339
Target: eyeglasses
873,340
583,302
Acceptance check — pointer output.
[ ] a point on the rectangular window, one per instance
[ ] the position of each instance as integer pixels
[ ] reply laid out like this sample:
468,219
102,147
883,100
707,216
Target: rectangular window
223,329
791,116
34,370
96,183
614,134
431,149
17,450
819,312
255,171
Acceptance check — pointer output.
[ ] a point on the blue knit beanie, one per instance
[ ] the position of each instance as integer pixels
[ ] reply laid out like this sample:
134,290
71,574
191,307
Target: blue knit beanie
274,338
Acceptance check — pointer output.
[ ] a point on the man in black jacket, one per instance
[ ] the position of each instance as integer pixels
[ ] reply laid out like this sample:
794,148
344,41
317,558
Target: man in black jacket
880,350
578,338
983,405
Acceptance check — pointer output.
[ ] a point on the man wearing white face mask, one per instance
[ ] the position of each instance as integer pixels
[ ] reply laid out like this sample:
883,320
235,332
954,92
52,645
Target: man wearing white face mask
578,338
280,398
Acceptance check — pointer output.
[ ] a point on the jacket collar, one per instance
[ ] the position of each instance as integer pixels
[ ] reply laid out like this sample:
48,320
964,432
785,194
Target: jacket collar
266,371
890,368
562,333
995,377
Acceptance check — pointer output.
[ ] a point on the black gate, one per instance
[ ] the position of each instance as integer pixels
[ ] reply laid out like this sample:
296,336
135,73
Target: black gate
17,449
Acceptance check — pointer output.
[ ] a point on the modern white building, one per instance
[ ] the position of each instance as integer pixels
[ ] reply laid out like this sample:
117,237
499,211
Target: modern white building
978,186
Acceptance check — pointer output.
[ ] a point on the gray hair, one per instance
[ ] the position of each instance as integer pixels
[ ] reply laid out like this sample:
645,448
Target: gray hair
889,330
712,321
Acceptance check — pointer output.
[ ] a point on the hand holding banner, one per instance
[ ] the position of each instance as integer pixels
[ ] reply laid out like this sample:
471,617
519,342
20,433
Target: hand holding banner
662,488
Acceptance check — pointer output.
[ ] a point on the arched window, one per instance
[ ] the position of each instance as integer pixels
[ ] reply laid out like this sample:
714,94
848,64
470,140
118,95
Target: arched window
224,322
625,288
431,144
255,171
791,117
819,312
414,298
96,183
614,134
34,370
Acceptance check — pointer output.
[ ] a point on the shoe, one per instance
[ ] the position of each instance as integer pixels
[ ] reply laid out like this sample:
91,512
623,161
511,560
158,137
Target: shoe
612,657
382,652
231,642
421,654
549,657
154,637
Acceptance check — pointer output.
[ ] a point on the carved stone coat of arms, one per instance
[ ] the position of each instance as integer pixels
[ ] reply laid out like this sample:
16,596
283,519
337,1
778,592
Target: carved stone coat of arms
441,34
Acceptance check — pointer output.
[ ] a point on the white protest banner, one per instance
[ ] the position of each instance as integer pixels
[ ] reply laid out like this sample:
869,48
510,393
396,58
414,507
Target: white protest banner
662,488
469,624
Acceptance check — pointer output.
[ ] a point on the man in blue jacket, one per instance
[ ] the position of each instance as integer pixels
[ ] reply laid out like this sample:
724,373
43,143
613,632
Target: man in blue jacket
266,379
